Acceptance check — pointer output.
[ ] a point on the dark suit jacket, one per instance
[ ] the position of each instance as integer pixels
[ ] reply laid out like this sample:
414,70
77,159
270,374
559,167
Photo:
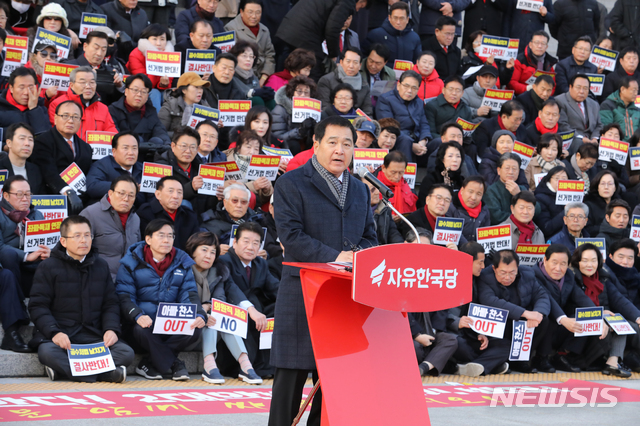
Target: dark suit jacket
447,63
312,228
563,302
33,174
53,154
185,225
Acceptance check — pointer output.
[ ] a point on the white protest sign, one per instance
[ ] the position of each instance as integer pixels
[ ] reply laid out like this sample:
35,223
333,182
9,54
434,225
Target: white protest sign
634,158
151,174
89,360
600,243
487,320
400,66
410,174
41,233
279,152
567,138
224,41
164,63
499,47
56,75
596,83
530,5
304,108
266,335
263,166
634,234
175,318
619,324
494,237
591,321
538,177
538,73
51,206
521,340
91,21
100,143
213,177
74,177
230,318
525,152
611,149
467,126
233,172
200,61
530,254
603,58
201,113
12,60
368,157
63,43
569,191
233,113
494,98
447,230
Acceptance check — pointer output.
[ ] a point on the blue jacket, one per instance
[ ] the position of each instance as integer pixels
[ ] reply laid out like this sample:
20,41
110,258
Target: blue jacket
141,289
403,44
431,12
187,17
566,239
569,298
410,115
103,172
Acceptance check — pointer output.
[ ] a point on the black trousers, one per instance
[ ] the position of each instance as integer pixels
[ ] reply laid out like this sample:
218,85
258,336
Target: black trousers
286,396
163,349
583,351
490,358
439,352
57,358
12,309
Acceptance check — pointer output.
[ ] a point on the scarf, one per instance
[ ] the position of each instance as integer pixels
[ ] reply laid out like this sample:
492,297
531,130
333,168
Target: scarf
352,111
16,216
222,90
629,277
202,282
255,29
123,216
242,161
546,165
13,102
403,199
132,109
244,74
582,175
537,100
543,130
208,16
431,218
473,212
500,123
593,287
559,283
285,75
162,266
355,81
338,189
526,230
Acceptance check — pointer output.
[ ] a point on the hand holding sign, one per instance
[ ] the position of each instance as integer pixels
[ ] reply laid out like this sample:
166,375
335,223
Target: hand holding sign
145,321
571,325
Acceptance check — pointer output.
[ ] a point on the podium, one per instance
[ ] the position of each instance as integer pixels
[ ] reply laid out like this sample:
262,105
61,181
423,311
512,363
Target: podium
364,354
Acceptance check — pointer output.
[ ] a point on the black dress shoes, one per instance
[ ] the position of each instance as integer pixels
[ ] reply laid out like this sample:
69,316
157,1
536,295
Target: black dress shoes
12,341
561,362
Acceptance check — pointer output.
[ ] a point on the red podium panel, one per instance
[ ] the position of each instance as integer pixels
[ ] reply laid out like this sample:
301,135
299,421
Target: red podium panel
365,356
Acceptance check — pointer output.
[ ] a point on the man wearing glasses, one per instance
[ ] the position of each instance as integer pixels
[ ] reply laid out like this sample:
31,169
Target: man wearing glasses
576,63
534,58
448,106
397,36
575,219
448,55
115,225
580,113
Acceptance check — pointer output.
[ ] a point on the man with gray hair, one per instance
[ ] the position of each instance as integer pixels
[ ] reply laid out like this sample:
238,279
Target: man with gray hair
234,210
82,90
575,219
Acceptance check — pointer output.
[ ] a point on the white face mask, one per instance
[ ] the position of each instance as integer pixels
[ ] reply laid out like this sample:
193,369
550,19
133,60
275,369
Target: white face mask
477,49
20,7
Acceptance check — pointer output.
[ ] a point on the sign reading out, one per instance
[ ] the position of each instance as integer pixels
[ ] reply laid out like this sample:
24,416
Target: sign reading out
521,340
487,320
175,318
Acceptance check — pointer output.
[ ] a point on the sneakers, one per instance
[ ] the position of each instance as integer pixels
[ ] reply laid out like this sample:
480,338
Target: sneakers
213,376
470,369
544,365
53,375
250,377
146,370
179,370
119,375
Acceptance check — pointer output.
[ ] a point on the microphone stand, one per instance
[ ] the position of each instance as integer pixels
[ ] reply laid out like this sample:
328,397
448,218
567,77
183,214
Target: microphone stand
386,202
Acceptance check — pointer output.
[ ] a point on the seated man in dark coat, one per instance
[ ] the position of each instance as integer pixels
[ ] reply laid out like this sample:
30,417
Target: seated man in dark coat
203,9
74,301
448,55
510,118
433,345
616,224
575,218
20,144
533,99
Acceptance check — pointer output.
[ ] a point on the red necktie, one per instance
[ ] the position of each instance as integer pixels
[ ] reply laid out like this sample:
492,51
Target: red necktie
341,43
446,50
248,270
582,109
70,142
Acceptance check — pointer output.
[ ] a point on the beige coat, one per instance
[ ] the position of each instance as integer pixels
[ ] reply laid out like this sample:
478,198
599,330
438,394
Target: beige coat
265,62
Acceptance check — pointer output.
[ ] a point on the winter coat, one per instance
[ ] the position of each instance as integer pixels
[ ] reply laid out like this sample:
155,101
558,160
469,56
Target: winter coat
187,17
386,228
138,62
218,222
533,168
141,289
262,195
537,238
568,67
566,239
439,112
624,17
435,177
211,97
185,224
447,63
131,23
614,110
471,224
221,285
597,208
610,299
430,86
105,88
485,16
430,13
282,127
489,168
404,45
68,295
95,117
34,175
573,19
531,103
629,280
331,80
521,24
613,80
563,302
172,112
551,217
265,62
147,126
498,201
473,97
525,67
103,172
109,238
419,219
532,296
611,234
37,118
410,115
9,240
473,60
484,133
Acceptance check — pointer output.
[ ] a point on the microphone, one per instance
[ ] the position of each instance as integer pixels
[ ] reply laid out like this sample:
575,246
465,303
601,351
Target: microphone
384,190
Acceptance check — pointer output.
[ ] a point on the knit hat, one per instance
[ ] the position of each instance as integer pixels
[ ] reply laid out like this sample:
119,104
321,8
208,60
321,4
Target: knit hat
53,10
496,136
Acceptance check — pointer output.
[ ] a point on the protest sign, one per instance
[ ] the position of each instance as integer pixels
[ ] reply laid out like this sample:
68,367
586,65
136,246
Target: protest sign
230,318
567,138
467,126
280,152
499,47
56,75
51,206
41,232
63,43
88,360
611,149
74,177
233,172
634,234
531,254
494,237
368,157
175,318
89,22
304,108
100,143
538,177
591,321
400,66
596,83
266,335
213,177
164,63
619,324
12,60
603,58
410,174
201,113
224,41
200,61
232,113
600,243
494,98
151,174
18,43
232,236
524,151
4,175
263,166
487,320
538,73
361,113
521,340
634,158
447,230
530,5
569,191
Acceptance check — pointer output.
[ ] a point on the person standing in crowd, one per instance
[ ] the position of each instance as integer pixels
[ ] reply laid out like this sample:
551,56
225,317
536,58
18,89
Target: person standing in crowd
574,19
396,34
127,18
523,24
202,9
576,63
448,55
533,58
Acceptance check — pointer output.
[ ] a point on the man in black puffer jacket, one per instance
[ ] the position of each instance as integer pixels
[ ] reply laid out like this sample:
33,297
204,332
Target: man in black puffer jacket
573,19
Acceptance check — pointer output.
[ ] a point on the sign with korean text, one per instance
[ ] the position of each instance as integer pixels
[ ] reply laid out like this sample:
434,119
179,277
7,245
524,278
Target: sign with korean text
410,174
538,177
634,157
591,320
525,152
232,113
611,149
91,21
494,98
100,143
164,63
400,66
51,206
233,172
494,237
56,75
361,113
12,60
175,318
4,175
63,43
411,277
41,233
280,152
200,61
266,335
619,324
596,83
530,254
151,174
230,318
567,138
538,73
499,47
368,157
603,58
487,320
448,230
530,5
569,191
18,43
74,177
304,108
634,234
224,41
521,339
263,166
467,126
88,360
213,178
600,243
201,113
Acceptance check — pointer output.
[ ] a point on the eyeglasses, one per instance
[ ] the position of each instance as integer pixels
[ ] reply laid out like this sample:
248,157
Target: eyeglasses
144,92
125,195
67,117
184,147
440,198
78,237
51,55
409,87
539,43
247,55
253,13
575,217
240,201
20,195
523,208
453,90
82,83
302,92
165,236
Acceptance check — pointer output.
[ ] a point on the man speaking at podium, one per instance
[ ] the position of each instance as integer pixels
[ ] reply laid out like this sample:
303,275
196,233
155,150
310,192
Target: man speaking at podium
322,215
